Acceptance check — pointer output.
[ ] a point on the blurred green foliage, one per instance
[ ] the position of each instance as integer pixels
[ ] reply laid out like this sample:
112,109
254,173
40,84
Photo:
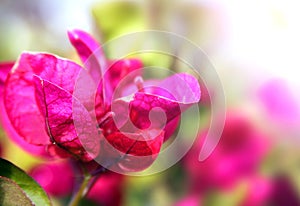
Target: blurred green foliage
118,18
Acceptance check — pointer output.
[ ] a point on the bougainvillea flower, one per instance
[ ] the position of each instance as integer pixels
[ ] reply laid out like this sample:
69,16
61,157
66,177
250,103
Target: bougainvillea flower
57,178
41,103
238,154
5,122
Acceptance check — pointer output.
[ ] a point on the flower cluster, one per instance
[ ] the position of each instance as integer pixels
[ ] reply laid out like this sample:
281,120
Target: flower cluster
39,98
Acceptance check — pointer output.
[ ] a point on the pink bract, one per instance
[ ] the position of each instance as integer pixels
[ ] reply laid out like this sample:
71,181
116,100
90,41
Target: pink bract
40,101
19,96
5,122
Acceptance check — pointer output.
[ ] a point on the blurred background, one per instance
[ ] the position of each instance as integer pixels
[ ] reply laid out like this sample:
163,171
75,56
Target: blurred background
253,46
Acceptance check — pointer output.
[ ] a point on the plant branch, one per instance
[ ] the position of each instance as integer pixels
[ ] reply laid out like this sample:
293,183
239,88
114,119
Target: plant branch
83,189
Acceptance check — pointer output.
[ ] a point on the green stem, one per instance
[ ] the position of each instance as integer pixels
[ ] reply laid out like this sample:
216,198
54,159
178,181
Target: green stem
82,190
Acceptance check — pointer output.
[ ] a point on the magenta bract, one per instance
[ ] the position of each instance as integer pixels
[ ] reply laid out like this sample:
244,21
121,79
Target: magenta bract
5,122
19,96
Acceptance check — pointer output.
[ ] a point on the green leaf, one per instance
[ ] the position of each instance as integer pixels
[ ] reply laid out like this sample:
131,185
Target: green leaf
11,194
26,184
119,17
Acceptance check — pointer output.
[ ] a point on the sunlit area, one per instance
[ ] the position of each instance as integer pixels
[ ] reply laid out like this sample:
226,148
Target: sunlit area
154,102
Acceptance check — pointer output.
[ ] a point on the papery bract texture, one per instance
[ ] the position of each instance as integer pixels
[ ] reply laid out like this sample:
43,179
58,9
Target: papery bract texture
19,97
56,107
5,68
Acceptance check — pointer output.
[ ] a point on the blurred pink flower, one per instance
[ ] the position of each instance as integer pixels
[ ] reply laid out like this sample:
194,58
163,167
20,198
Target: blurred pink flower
258,191
237,155
107,190
57,178
277,191
280,102
191,200
39,102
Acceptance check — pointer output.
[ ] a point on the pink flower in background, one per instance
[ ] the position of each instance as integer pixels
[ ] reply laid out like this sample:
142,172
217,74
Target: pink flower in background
57,178
39,99
279,101
275,191
283,192
107,190
258,191
237,155
190,200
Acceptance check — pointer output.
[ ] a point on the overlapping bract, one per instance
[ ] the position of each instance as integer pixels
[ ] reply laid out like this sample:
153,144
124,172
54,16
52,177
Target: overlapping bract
39,100
5,122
